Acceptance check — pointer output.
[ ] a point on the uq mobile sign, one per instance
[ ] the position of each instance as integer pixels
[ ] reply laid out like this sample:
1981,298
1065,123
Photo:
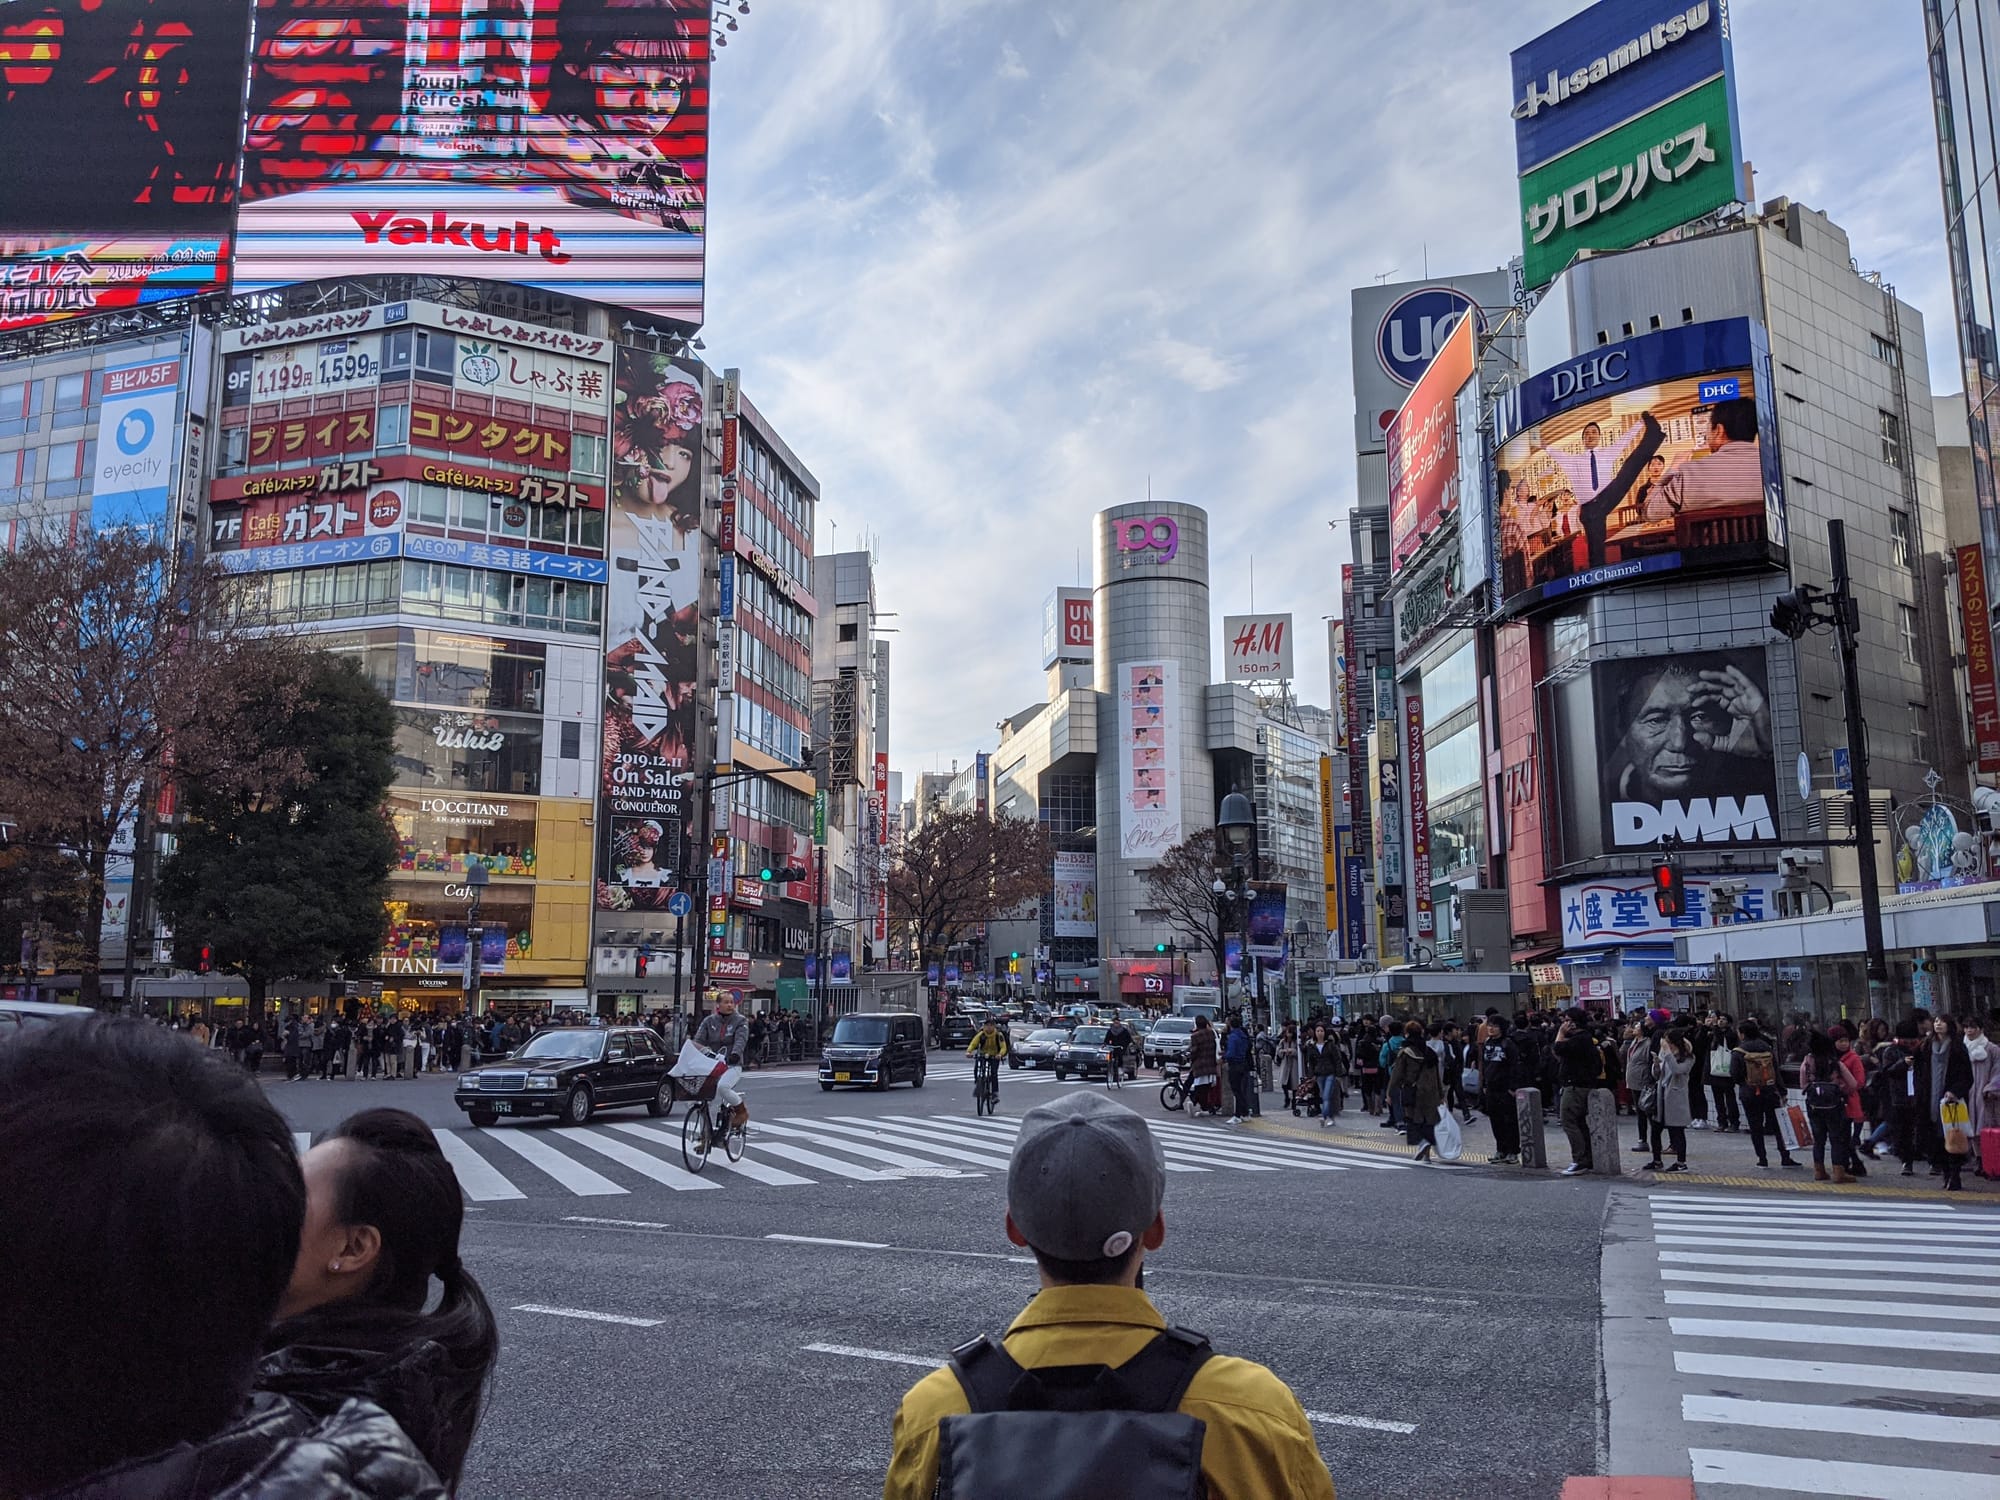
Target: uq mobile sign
1625,126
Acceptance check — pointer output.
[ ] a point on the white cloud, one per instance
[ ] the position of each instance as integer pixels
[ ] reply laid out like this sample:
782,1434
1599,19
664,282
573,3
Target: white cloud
981,313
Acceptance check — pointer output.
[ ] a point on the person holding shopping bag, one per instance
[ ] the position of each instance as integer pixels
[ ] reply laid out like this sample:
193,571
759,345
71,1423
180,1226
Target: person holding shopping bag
1673,1071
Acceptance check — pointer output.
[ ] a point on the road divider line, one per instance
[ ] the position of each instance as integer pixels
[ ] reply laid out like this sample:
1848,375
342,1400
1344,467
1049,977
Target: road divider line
478,1178
881,1356
586,1315
1913,1378
1855,1421
813,1239
1370,1424
1825,1476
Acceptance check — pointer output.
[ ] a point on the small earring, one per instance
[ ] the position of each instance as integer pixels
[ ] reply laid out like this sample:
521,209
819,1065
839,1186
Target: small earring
334,1267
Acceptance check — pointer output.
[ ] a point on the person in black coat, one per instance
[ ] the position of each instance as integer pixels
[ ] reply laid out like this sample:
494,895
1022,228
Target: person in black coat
1943,1076
1502,1069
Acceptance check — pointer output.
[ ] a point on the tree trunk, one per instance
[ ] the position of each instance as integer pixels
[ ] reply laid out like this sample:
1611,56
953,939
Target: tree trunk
90,965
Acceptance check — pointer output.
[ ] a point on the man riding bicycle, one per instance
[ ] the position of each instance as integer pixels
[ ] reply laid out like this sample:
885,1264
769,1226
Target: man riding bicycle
726,1034
988,1046
1118,1040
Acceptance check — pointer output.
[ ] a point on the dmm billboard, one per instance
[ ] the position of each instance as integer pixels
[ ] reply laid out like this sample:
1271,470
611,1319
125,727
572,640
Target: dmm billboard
561,144
118,174
1655,455
1423,446
652,631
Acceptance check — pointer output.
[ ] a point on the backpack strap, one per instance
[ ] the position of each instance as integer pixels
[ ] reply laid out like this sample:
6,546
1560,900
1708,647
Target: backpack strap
1157,1377
1153,1380
987,1373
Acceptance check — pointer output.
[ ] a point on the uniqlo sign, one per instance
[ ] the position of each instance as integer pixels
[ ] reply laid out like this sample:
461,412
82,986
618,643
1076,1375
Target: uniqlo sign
1979,671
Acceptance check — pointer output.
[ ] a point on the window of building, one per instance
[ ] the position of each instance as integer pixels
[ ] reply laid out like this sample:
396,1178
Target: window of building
1906,630
572,740
235,454
17,475
392,426
849,630
65,470
20,407
586,454
1892,438
1920,734
1901,544
72,396
1885,350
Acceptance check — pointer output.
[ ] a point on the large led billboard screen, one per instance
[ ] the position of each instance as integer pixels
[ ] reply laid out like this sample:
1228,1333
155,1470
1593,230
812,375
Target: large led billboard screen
557,143
1653,456
118,131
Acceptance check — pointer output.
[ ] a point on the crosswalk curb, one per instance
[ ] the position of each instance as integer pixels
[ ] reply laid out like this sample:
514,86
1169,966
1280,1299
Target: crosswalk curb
1835,1189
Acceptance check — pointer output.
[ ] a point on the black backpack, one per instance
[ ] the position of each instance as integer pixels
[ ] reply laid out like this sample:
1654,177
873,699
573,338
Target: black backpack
1074,1432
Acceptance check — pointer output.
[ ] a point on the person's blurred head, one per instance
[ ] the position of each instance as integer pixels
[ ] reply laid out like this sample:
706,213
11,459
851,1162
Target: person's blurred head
150,1206
1750,1030
1413,1031
1944,1029
1084,1188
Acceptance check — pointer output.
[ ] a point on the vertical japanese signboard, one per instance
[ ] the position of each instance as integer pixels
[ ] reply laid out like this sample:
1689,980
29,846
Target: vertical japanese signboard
1420,816
881,846
1975,607
652,623
1329,845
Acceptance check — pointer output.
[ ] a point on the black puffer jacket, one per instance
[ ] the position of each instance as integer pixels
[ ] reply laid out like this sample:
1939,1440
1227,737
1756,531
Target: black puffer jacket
409,1382
277,1450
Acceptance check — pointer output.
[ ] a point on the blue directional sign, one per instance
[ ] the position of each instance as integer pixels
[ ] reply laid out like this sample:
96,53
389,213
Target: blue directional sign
679,904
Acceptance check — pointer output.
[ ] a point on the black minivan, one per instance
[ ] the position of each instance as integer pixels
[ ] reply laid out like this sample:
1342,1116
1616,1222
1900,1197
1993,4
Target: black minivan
874,1051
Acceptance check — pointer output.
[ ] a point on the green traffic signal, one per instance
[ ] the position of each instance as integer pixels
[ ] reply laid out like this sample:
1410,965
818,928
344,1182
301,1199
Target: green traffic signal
1159,947
765,874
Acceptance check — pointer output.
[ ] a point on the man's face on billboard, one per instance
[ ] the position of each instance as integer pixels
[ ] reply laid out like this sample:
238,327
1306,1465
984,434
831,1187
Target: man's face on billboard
1673,734
1718,438
1593,435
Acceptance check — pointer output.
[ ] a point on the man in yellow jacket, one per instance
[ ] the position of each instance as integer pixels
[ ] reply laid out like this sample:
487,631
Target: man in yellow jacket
1084,1189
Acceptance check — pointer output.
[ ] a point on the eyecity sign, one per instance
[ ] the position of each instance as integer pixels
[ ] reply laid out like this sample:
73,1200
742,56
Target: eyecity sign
1161,534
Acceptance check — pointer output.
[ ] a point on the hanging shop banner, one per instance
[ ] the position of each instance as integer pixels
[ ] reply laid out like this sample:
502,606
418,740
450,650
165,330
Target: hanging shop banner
1267,919
1149,758
1420,815
1329,847
1974,609
652,612
1076,896
133,477
881,846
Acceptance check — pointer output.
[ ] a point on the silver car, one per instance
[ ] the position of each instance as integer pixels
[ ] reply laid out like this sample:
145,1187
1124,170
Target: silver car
1169,1040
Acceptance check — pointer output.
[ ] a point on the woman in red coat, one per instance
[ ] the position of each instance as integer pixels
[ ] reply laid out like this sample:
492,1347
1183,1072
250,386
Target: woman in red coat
1857,1069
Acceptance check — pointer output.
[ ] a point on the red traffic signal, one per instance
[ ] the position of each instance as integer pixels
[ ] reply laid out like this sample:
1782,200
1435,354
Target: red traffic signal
1669,895
207,959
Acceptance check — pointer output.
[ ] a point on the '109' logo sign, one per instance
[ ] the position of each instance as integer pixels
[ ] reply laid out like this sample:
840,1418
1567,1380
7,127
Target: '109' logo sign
1160,535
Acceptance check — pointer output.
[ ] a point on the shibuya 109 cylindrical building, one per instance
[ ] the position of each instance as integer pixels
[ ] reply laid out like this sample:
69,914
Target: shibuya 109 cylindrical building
1155,781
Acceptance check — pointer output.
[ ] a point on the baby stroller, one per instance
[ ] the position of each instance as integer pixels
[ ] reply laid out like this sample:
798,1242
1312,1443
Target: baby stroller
1305,1097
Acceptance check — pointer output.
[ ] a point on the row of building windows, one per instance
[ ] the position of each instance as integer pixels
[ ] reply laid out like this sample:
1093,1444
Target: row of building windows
499,519
777,484
410,587
66,398
764,665
755,594
771,539
767,730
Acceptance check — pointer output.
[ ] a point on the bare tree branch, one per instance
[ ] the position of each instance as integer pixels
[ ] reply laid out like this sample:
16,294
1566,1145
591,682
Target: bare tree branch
1181,886
962,868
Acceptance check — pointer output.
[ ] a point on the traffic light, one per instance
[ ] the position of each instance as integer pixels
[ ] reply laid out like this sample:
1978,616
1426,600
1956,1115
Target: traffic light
1015,955
781,874
206,961
642,962
1668,893
1792,614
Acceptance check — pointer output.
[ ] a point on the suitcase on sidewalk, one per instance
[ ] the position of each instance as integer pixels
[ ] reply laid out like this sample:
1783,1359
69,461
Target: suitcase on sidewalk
1989,1150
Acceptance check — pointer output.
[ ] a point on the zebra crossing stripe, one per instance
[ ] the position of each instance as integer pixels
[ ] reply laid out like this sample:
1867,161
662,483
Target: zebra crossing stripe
1942,1341
1821,1476
1875,1244
478,1179
1850,1306
1856,1421
664,1173
884,1133
1682,1218
1807,1238
1814,1263
573,1175
1871,1284
1913,1378
756,1171
813,1158
1802,1207
1000,1130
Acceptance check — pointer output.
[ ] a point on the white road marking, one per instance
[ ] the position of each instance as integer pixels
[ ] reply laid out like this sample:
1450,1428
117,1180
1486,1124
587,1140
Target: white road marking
1829,1333
664,1173
1867,1244
302,1140
880,1134
1814,1263
1829,1372
1786,1224
1900,1285
883,1356
1801,1205
1855,1421
813,1239
588,1316
1847,1306
999,1130
1372,1424
573,1175
1813,1239
615,1223
478,1178
813,1159
1819,1476
756,1171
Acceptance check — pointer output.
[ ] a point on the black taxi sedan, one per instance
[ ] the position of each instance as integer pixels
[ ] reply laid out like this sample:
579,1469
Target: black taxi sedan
1086,1052
571,1072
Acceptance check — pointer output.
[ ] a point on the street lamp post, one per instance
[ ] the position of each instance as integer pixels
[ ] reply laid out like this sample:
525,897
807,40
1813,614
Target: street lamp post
1236,824
476,878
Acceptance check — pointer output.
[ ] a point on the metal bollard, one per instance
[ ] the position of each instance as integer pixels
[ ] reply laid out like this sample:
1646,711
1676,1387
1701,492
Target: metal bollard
1602,1120
1528,1106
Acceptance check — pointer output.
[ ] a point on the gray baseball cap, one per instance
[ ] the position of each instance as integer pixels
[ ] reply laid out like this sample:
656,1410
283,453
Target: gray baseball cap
1086,1178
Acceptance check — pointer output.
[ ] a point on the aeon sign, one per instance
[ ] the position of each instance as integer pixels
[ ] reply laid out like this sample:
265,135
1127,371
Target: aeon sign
1414,329
1159,535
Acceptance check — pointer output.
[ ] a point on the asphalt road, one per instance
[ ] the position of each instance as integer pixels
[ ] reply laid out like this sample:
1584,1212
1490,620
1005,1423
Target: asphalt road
1442,1326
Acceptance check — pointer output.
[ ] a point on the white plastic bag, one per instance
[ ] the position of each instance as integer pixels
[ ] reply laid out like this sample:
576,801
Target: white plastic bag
1450,1143
696,1065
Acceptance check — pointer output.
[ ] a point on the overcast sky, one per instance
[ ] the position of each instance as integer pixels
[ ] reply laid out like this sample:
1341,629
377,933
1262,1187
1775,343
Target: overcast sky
993,265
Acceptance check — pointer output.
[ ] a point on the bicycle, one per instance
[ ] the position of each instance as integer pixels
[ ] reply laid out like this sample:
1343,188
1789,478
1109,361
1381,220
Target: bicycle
985,1085
700,1130
1174,1090
1112,1080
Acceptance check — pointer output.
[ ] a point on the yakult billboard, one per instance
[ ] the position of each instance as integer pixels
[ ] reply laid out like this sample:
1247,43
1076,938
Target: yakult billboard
557,143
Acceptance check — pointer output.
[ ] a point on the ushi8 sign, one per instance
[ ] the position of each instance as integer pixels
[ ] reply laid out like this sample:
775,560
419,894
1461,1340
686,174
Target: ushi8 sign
559,143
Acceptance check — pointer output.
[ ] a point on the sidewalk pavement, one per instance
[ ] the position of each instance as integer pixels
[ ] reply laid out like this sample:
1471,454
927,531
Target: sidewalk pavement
1715,1158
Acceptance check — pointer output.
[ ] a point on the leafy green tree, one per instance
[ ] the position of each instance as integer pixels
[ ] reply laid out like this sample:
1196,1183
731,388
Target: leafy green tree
291,885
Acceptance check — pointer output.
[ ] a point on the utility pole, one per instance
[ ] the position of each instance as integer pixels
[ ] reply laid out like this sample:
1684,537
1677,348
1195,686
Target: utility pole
1806,608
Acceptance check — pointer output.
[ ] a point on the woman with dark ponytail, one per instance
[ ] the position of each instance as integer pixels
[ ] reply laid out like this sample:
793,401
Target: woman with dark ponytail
383,1213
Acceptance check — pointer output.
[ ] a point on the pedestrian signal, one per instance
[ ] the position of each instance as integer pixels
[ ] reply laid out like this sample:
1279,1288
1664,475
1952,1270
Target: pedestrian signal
1669,895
